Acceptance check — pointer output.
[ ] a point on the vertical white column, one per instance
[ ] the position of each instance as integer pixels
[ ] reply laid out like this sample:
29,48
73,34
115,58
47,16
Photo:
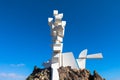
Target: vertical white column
57,31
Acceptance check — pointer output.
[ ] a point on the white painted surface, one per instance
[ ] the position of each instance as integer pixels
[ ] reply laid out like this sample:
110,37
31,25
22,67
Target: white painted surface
55,12
83,54
57,38
69,60
81,61
97,55
65,59
55,74
57,47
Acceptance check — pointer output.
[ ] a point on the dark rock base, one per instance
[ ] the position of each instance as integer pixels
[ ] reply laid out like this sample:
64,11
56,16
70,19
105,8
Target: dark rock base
65,73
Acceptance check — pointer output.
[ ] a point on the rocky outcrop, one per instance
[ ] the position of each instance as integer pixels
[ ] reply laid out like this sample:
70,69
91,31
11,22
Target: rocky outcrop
40,74
65,73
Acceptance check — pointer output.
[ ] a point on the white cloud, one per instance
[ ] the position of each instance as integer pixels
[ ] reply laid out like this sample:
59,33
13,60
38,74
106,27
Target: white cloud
113,78
116,79
12,76
17,65
14,72
3,74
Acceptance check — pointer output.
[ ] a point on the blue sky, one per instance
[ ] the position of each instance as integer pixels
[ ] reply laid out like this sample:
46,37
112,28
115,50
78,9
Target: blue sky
25,35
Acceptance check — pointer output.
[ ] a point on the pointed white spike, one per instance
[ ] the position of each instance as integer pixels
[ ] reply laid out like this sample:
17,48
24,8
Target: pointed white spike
97,55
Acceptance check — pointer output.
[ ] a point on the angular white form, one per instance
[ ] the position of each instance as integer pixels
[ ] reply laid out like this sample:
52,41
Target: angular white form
82,59
81,63
69,60
57,27
50,20
97,55
83,56
58,17
55,74
57,47
57,38
55,12
57,32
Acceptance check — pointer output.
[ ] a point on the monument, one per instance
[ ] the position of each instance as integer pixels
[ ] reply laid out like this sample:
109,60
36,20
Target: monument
59,58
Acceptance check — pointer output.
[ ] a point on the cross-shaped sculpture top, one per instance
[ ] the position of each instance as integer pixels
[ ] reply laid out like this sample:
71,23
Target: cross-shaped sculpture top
57,26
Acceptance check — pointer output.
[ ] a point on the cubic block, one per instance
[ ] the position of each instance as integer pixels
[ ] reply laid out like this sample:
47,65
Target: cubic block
58,16
55,12
97,55
63,23
57,47
58,38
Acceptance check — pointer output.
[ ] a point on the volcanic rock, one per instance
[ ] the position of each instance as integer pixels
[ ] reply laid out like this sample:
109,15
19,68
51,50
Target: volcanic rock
65,73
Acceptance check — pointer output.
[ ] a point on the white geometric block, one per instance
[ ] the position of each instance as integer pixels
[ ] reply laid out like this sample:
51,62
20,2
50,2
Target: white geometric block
55,74
63,33
60,24
69,60
97,55
63,23
57,47
65,59
58,38
55,12
57,32
81,63
58,17
55,59
50,21
83,54
60,59
53,26
61,15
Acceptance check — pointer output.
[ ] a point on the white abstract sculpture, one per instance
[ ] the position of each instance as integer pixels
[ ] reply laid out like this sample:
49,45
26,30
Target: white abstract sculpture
83,56
63,59
57,32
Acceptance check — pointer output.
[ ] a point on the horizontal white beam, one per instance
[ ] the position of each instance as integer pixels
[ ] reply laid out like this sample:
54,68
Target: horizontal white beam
97,55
